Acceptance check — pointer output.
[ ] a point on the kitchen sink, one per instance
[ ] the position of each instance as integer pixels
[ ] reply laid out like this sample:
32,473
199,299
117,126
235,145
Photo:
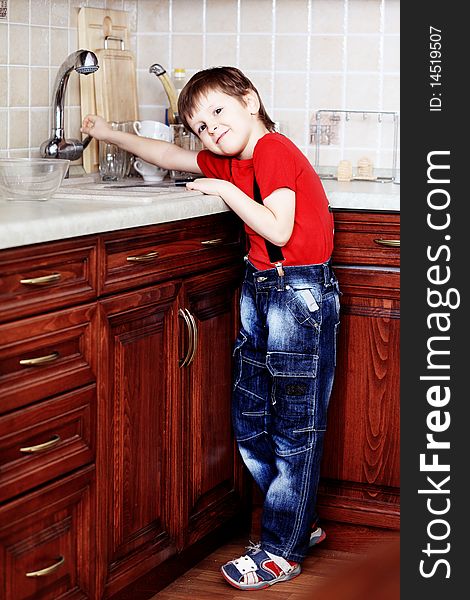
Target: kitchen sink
121,191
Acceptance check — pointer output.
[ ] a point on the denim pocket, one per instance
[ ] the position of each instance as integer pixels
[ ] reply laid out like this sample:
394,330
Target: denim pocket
305,306
293,398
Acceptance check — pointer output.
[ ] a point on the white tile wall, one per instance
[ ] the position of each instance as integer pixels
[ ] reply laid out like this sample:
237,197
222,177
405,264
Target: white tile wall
302,55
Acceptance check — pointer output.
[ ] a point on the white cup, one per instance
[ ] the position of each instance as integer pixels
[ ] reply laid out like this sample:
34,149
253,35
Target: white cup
148,171
156,131
152,129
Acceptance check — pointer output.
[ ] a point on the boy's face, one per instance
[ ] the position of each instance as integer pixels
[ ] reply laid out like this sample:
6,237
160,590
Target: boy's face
227,125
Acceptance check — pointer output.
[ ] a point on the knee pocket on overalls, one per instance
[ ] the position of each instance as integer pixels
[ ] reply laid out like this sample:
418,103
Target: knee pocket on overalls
293,401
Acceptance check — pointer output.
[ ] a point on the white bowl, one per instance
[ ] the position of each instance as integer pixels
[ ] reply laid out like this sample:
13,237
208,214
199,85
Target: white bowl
31,178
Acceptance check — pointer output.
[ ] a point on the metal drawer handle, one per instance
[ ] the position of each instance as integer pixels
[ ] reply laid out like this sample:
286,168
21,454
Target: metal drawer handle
214,242
40,360
389,243
47,570
143,257
41,447
42,280
183,313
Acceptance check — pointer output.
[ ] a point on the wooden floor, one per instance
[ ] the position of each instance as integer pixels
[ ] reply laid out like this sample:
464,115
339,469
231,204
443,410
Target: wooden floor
352,563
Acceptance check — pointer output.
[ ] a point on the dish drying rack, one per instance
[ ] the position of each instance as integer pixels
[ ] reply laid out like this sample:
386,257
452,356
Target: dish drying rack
325,129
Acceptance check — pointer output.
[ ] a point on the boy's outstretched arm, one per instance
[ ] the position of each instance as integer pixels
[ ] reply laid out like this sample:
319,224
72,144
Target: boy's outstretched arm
158,152
273,220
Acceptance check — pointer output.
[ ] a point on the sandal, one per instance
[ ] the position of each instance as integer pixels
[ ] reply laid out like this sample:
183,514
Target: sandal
317,535
259,569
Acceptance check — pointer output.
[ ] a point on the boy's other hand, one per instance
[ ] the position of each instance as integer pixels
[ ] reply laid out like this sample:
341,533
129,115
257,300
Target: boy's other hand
207,185
95,126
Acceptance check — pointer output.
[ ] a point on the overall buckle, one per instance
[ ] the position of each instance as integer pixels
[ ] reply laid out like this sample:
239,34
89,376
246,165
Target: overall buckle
279,269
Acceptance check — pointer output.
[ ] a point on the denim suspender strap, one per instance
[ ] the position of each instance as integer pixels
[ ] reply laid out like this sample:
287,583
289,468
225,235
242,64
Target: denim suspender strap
275,254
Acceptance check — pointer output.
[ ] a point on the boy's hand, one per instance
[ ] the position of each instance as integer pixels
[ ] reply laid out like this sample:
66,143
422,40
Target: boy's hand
209,186
96,126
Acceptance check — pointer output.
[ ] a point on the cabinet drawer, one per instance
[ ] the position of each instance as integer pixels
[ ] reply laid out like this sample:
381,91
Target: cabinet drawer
36,279
135,258
367,239
43,356
45,542
46,440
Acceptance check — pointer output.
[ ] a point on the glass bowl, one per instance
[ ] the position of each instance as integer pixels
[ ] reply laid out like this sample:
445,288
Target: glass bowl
31,178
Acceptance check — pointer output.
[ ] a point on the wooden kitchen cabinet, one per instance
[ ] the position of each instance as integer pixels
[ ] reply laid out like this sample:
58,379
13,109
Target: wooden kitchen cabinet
127,409
129,403
360,474
48,365
172,475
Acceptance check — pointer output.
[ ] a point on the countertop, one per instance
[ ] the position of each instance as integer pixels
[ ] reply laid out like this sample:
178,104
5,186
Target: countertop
363,195
82,207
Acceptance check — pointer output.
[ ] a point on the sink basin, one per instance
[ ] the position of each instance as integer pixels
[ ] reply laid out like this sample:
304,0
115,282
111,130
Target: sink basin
116,187
123,191
31,178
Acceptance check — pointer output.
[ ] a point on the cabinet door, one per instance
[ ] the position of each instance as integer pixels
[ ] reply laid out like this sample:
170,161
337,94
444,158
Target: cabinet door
139,407
360,467
212,465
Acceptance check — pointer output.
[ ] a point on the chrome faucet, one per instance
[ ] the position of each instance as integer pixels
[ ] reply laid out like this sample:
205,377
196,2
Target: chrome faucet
84,62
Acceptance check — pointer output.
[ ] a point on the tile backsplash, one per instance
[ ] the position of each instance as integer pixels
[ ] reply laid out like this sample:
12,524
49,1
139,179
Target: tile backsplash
302,55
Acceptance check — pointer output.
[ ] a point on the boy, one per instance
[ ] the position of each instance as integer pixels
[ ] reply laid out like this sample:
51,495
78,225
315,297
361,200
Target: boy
285,351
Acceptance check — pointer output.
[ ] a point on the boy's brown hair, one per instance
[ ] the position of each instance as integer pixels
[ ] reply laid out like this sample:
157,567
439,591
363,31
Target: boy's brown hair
229,80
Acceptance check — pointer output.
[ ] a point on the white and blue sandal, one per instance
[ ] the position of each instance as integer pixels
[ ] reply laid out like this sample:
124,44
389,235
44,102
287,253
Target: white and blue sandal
259,569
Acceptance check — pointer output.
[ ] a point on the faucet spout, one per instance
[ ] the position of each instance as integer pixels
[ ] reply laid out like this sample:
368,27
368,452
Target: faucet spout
83,62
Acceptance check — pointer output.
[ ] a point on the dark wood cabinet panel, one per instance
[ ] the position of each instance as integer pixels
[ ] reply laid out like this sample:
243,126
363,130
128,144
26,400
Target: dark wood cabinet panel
46,440
168,250
212,464
360,474
139,398
46,355
367,238
38,278
362,441
46,551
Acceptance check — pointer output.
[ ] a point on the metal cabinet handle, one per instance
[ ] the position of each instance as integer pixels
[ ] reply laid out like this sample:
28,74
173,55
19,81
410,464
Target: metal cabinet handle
47,570
389,243
40,360
143,257
41,447
44,280
183,313
214,242
115,39
195,337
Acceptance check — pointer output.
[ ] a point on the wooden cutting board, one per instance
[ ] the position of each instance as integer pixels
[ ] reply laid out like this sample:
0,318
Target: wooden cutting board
112,91
116,86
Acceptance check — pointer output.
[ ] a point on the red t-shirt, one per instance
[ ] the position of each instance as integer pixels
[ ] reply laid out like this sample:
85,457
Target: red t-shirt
278,163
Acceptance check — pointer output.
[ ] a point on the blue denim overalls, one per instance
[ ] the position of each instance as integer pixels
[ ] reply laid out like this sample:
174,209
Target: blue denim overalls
285,358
